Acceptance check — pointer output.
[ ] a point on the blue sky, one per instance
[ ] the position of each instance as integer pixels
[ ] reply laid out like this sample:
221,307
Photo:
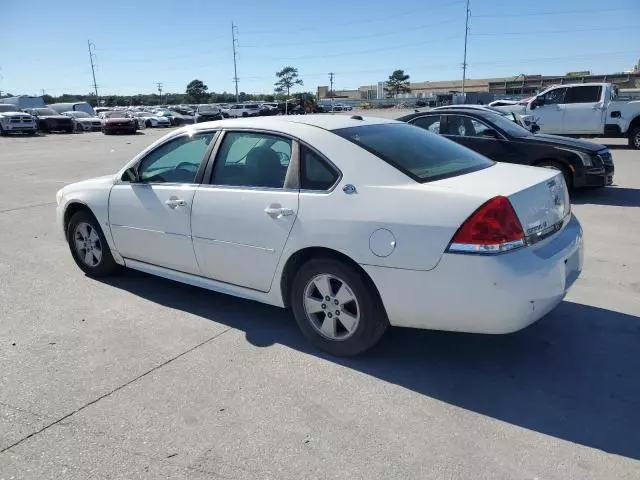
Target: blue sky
141,42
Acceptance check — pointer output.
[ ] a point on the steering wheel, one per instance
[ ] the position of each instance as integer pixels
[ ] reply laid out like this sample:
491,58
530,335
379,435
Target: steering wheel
283,157
186,166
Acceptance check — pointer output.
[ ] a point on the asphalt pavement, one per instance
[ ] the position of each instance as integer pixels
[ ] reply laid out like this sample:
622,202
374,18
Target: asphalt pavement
140,377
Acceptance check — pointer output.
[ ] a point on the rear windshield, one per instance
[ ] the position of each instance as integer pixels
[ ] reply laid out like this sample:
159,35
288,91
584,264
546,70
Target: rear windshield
421,155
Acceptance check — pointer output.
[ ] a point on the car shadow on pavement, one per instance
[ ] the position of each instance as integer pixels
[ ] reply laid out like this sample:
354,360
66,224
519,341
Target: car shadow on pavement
572,375
615,196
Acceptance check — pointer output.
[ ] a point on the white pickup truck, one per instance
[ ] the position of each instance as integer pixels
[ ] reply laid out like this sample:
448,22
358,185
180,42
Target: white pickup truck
585,110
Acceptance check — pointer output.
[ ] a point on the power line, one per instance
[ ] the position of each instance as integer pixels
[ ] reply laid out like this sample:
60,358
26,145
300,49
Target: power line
541,32
93,70
357,37
557,12
431,8
466,36
234,41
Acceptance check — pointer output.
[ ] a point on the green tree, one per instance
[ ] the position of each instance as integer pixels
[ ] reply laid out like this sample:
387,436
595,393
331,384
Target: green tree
197,90
398,82
287,78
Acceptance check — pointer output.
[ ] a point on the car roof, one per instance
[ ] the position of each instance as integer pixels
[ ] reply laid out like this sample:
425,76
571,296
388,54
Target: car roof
324,121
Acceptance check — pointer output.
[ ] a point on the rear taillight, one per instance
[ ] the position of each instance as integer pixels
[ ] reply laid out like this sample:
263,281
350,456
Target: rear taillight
492,228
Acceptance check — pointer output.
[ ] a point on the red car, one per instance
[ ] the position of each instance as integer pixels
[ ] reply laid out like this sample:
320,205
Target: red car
118,122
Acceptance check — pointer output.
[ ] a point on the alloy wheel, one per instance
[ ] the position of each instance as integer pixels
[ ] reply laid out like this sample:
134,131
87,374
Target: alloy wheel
87,244
331,307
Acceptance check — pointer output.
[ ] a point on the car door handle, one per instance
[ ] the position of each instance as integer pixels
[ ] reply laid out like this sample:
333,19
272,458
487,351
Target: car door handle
175,203
276,211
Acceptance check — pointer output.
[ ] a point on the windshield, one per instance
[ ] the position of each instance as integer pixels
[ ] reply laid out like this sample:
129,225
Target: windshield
421,155
207,108
117,115
45,111
507,124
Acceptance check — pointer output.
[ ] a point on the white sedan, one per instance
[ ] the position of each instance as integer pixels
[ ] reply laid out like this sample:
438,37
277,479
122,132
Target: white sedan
353,223
150,120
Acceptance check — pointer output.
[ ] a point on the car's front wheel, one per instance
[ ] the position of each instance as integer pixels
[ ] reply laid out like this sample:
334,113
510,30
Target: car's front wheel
336,307
634,138
88,245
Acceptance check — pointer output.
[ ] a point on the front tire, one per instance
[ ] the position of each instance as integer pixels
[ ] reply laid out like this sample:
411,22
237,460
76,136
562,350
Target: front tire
89,248
336,308
634,139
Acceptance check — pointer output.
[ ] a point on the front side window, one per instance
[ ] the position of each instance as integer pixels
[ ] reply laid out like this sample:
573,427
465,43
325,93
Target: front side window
587,94
431,123
414,151
554,97
176,161
315,172
463,126
251,159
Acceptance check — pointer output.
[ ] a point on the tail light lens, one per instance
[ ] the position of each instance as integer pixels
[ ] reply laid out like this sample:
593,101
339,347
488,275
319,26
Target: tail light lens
492,228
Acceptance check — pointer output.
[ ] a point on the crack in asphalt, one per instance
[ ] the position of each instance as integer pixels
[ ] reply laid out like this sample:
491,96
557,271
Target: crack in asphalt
27,206
111,392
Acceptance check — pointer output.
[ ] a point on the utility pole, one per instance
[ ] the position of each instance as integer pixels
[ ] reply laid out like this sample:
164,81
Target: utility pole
93,69
234,40
466,34
331,74
159,84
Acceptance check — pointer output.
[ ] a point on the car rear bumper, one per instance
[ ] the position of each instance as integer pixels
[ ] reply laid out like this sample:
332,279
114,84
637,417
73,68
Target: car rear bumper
481,293
119,128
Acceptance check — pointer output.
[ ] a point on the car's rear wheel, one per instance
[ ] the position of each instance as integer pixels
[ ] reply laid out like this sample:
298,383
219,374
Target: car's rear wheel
634,138
79,128
561,168
336,307
88,245
148,124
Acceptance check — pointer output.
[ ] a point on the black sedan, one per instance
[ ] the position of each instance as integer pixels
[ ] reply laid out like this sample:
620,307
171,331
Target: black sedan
583,163
207,113
51,121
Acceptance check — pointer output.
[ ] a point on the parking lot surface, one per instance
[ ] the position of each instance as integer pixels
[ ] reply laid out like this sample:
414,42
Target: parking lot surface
139,377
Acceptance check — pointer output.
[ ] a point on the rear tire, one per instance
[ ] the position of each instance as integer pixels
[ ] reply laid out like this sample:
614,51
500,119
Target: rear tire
634,138
88,245
568,179
148,124
349,319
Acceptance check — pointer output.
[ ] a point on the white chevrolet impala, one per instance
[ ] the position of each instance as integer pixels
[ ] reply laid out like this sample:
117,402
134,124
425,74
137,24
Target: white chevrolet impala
353,223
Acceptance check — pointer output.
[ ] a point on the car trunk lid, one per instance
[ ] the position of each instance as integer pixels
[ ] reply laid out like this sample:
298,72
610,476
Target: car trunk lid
539,196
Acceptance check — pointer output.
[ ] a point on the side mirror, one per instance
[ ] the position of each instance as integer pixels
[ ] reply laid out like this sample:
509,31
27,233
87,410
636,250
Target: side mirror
535,128
130,175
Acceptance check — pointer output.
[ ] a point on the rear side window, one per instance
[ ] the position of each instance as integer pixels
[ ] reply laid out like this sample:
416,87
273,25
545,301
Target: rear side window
315,172
587,94
431,123
414,151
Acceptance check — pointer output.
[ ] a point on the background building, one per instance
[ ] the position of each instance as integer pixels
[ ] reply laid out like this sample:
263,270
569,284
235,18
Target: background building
518,85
